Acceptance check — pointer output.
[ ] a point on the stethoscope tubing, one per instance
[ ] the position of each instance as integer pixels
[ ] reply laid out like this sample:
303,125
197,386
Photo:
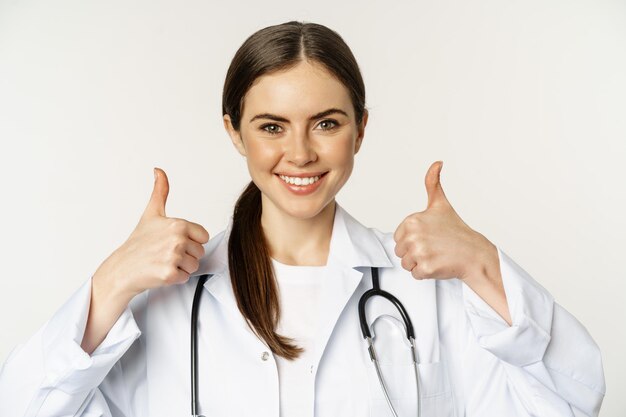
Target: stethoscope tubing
194,344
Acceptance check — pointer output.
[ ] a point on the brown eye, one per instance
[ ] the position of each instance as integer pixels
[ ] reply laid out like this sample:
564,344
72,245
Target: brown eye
328,124
273,128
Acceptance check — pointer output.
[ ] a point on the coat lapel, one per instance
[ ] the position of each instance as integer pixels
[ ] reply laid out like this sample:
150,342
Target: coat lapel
352,245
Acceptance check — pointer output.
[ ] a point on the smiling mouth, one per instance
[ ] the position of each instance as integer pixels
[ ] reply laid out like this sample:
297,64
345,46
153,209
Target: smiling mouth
301,181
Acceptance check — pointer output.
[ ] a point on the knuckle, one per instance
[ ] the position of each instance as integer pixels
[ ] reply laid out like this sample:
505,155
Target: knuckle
170,274
172,271
178,225
179,242
420,250
198,251
414,219
175,259
427,268
406,264
415,248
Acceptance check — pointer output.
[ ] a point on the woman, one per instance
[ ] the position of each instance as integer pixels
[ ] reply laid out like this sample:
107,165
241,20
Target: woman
278,328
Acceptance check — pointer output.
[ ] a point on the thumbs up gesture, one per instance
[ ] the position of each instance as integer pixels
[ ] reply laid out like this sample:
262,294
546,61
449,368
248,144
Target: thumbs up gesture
160,251
436,243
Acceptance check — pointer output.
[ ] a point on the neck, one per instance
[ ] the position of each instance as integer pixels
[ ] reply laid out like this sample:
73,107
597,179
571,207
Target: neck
298,241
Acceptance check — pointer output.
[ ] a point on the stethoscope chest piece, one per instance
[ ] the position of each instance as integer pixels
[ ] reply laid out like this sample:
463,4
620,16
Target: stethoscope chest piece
367,335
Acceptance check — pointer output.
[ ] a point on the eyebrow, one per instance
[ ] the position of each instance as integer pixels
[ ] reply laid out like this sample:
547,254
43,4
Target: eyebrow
284,120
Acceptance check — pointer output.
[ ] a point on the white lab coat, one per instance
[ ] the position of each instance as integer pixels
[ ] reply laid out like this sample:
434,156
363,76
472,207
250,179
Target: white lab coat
472,362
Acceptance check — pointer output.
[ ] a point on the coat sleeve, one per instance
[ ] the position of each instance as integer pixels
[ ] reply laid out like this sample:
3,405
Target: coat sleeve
51,375
550,362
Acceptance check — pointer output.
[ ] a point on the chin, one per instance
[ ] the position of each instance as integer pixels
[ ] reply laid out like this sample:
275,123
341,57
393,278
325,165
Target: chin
302,209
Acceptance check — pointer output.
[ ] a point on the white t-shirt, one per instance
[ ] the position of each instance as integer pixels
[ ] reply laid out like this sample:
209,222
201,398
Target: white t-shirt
299,289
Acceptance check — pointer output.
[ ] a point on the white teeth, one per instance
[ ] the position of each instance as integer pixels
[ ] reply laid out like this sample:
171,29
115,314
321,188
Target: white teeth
298,180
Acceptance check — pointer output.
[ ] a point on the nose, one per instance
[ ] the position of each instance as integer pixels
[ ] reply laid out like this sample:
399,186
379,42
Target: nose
299,149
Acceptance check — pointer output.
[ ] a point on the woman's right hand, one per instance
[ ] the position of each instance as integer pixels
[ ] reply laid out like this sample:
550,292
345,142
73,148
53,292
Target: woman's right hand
160,251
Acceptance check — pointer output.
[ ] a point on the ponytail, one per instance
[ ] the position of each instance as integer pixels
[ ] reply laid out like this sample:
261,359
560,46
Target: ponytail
252,274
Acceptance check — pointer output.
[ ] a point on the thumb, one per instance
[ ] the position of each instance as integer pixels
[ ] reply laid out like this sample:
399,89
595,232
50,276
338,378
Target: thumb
436,196
156,205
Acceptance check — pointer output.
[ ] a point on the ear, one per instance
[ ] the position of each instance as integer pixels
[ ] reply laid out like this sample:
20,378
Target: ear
235,136
361,134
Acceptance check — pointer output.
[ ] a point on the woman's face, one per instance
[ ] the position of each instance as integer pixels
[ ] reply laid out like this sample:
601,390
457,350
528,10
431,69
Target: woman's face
298,122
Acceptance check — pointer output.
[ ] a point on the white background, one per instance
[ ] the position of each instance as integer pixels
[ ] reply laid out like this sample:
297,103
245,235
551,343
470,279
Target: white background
524,101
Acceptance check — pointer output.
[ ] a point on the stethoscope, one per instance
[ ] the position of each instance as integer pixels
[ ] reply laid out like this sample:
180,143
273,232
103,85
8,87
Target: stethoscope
365,330
410,335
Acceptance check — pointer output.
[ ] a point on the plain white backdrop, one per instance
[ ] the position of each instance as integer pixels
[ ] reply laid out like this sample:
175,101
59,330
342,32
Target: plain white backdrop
524,101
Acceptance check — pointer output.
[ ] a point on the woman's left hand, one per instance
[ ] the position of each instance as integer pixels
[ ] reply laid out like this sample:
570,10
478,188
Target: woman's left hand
437,243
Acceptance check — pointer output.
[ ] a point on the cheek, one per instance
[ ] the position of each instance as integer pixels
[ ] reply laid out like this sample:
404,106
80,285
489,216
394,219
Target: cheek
339,152
261,154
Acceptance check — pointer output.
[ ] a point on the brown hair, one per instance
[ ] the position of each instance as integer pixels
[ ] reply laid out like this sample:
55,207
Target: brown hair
268,50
